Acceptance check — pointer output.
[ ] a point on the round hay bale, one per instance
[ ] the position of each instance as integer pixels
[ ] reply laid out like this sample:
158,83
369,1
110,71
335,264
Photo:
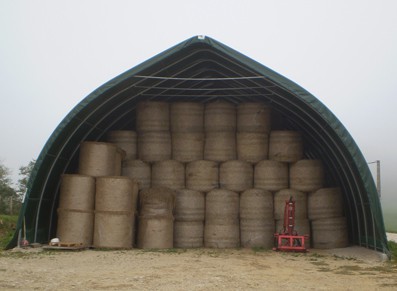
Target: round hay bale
189,205
202,175
236,175
222,204
187,146
154,146
220,116
300,199
325,203
221,235
220,146
252,146
306,175
156,201
75,226
285,146
152,116
139,171
188,234
330,233
126,140
271,175
256,204
77,192
187,117
97,159
113,229
253,117
155,232
115,194
170,174
257,233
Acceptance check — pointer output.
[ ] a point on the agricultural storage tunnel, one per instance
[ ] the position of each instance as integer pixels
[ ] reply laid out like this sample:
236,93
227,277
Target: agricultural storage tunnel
202,69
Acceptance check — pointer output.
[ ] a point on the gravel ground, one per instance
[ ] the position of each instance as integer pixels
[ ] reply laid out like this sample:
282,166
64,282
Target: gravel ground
196,269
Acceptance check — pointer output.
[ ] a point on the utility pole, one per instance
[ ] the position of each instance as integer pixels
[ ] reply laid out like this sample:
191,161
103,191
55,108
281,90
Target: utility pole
377,176
11,206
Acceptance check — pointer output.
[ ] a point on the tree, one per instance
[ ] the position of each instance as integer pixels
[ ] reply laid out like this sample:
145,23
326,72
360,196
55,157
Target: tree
7,192
24,173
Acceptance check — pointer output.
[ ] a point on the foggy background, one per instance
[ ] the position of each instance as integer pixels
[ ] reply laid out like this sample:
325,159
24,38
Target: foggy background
54,53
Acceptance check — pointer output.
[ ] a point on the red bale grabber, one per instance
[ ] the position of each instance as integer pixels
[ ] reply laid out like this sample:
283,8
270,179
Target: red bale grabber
288,240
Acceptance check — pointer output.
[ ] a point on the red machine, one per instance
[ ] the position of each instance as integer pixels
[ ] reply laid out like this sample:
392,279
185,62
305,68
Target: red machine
288,240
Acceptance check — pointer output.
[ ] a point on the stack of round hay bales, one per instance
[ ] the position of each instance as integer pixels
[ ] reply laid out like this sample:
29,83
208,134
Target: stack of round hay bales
156,221
98,159
222,219
220,131
187,131
253,127
153,127
195,148
76,209
329,226
189,219
256,218
115,206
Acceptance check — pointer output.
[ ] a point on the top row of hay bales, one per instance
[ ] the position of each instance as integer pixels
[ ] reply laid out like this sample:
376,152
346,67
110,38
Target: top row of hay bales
218,131
219,116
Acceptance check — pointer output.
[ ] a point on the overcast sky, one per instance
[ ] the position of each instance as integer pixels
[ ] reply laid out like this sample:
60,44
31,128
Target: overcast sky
54,53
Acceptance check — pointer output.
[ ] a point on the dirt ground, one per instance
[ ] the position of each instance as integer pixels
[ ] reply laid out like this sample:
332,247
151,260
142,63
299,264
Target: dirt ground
198,269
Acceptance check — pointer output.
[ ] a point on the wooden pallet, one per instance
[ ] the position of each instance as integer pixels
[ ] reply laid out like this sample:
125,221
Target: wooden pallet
67,246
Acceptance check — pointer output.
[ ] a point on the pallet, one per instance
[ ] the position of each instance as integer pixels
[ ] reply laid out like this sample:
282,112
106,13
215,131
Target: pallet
66,246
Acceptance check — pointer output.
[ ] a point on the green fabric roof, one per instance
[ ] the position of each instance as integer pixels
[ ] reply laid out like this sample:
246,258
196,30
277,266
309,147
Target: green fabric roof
202,69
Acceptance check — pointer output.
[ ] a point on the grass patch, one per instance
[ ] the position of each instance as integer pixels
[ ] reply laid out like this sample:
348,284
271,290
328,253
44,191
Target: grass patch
14,255
165,251
7,228
387,268
324,269
337,257
213,253
348,270
393,249
388,285
319,263
316,255
351,268
105,249
26,255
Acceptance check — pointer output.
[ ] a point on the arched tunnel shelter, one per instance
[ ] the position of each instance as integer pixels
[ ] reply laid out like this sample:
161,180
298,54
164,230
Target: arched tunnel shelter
202,69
